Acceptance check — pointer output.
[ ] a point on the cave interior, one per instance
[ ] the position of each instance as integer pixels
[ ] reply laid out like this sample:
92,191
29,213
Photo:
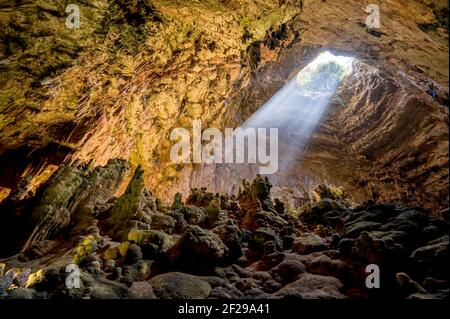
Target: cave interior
87,178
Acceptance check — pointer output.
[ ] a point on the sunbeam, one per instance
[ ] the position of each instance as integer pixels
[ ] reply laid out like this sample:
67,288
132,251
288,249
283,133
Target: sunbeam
297,109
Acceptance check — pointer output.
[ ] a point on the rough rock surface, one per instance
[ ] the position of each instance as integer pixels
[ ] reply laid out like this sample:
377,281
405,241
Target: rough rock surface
86,176
180,286
290,256
117,86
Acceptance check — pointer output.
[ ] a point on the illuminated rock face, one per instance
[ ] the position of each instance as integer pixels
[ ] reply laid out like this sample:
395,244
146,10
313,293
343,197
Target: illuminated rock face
86,176
380,138
116,89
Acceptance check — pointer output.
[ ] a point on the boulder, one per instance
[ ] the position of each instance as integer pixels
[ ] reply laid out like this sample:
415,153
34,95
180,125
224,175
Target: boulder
327,266
289,270
309,286
110,265
325,212
141,290
133,255
411,289
198,250
193,215
163,222
432,259
356,228
308,243
231,236
266,219
262,235
370,250
151,241
176,285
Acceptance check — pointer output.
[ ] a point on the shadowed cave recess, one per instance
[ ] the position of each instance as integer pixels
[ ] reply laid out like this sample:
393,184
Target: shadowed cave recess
87,181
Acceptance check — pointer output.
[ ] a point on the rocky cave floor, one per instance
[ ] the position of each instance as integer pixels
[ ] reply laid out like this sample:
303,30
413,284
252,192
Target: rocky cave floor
212,246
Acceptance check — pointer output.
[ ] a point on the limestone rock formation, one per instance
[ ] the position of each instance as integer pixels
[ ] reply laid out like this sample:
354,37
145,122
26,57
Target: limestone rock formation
165,63
87,179
232,259
73,193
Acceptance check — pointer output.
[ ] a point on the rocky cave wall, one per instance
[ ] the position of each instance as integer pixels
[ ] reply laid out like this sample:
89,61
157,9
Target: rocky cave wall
379,139
134,70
